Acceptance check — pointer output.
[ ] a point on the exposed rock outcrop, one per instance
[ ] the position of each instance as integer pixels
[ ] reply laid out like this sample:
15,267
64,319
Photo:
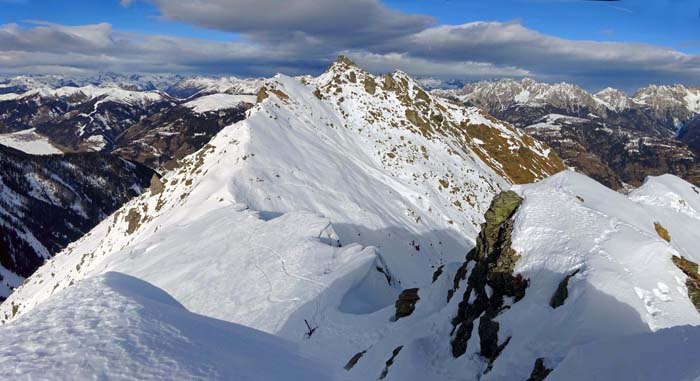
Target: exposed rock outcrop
690,269
539,371
406,303
156,186
354,359
490,281
662,232
562,291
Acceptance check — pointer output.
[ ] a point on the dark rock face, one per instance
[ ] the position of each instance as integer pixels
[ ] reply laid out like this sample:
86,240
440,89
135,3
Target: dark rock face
406,303
562,291
690,134
49,201
354,360
690,269
491,280
539,371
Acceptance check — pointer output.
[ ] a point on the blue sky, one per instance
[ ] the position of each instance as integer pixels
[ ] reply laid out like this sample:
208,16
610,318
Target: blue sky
665,22
658,40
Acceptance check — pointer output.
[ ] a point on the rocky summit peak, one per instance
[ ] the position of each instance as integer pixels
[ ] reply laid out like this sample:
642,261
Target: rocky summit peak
343,61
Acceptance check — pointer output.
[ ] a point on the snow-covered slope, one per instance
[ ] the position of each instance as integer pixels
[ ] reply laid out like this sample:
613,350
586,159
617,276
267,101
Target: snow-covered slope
29,141
216,102
419,206
338,216
74,336
624,279
667,354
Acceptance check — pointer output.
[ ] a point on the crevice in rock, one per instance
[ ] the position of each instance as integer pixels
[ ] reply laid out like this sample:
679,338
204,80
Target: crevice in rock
490,281
387,276
562,292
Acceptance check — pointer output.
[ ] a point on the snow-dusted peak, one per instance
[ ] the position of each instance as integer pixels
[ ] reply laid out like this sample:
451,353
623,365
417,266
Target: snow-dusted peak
395,101
665,97
338,215
614,99
505,93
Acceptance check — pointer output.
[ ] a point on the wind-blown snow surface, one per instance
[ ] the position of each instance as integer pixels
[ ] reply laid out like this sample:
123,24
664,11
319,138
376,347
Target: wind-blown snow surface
292,216
117,327
668,354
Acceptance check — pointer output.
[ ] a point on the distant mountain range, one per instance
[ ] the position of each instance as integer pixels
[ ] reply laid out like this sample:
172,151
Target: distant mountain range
125,114
615,138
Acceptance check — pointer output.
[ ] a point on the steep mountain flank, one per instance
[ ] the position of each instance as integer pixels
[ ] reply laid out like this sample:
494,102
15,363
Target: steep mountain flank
46,202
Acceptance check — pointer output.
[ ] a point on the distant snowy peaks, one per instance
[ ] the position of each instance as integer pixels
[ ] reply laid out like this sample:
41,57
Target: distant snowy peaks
173,85
614,99
89,92
504,93
211,85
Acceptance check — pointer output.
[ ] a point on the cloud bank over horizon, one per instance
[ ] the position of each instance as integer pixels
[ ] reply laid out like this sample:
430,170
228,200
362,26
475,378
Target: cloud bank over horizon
308,35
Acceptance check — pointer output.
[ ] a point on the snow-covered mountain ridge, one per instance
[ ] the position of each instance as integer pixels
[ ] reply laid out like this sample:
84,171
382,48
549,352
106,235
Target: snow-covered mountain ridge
338,216
430,181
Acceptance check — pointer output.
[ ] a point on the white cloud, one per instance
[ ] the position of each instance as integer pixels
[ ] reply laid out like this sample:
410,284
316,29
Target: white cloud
423,67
